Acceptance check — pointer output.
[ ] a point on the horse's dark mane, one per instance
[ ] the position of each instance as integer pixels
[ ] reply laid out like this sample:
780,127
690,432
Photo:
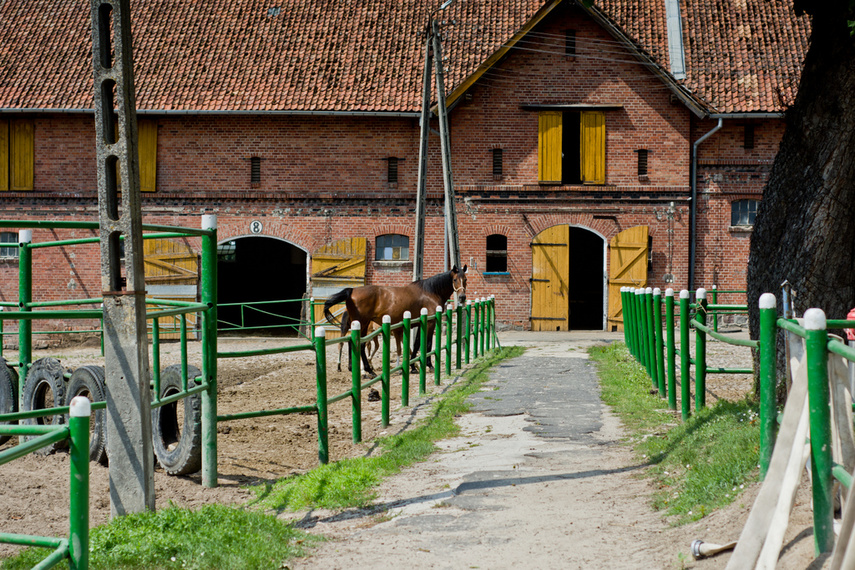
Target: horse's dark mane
439,285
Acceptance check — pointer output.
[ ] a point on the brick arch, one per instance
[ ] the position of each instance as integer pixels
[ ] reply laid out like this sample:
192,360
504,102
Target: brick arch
496,229
400,229
604,228
278,229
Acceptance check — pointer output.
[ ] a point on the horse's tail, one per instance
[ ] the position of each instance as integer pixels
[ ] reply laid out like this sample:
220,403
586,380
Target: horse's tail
341,297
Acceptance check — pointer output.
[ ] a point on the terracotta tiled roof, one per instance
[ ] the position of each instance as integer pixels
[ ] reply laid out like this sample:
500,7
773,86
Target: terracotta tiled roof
366,55
740,56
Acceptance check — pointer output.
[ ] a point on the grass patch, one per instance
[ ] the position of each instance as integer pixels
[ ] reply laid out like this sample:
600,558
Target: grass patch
699,465
212,537
352,482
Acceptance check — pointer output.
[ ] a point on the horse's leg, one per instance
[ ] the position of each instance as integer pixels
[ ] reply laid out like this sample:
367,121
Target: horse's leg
430,331
415,351
366,364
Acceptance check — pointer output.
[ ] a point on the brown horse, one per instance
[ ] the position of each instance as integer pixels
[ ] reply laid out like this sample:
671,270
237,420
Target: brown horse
369,304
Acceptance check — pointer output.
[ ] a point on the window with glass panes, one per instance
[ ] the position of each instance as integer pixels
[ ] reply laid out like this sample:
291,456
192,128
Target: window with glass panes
392,247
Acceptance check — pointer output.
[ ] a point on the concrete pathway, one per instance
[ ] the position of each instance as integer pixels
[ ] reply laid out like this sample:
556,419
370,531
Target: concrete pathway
533,481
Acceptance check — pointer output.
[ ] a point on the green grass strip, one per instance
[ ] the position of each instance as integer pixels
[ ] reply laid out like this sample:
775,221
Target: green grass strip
352,483
212,537
699,465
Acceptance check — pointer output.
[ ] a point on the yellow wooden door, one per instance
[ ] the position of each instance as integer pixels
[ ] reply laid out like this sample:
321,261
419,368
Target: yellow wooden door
549,135
21,158
550,269
171,272
592,138
627,268
336,266
4,155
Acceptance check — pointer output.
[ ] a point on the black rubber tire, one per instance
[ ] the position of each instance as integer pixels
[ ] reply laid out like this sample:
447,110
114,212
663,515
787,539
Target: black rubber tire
177,427
8,394
89,381
44,389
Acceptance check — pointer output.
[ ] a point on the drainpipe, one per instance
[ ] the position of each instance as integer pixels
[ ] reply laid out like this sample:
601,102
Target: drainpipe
694,211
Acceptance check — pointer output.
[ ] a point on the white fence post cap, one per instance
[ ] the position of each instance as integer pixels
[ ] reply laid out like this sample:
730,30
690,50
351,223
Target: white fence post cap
209,221
25,236
387,319
701,293
815,319
684,294
80,407
768,301
320,332
669,292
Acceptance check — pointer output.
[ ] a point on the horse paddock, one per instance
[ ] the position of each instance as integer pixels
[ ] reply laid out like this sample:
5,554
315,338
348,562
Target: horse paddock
250,451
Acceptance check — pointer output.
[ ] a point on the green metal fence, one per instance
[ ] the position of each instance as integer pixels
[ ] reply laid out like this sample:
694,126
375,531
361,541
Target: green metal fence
639,335
75,548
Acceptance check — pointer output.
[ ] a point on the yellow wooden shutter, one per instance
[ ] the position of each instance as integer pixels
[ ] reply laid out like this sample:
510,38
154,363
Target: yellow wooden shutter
593,144
21,150
627,268
4,155
335,266
147,134
549,147
550,271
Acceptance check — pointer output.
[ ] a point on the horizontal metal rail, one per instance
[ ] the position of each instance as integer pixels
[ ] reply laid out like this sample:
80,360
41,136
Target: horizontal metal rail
263,413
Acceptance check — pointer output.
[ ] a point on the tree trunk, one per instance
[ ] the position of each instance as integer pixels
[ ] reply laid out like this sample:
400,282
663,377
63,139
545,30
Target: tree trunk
805,227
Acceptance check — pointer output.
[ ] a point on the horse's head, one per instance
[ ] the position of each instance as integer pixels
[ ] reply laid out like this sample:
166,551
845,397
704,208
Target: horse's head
458,281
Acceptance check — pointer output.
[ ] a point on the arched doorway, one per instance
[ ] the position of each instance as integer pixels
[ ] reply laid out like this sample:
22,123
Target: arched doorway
568,279
256,269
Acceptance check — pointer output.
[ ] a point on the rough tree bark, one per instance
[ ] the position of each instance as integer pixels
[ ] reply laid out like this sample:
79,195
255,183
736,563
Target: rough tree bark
805,227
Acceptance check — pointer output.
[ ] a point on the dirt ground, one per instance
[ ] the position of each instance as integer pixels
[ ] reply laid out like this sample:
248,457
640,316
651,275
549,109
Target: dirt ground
34,489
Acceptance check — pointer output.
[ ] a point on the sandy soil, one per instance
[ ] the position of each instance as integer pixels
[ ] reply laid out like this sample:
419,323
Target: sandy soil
34,489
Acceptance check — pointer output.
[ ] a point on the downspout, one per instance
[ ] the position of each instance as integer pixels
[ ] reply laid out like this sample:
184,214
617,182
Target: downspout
694,211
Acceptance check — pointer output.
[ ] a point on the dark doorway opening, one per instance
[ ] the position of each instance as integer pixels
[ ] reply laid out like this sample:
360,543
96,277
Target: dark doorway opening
585,282
260,270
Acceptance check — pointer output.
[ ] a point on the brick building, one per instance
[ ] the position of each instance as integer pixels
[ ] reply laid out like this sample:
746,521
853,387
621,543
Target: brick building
631,130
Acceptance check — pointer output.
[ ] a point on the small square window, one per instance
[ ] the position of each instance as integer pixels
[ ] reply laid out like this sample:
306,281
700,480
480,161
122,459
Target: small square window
748,142
8,251
497,162
392,170
743,212
642,161
570,42
392,247
497,254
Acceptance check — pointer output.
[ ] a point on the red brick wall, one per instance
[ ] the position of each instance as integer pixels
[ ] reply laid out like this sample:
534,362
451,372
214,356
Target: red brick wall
323,178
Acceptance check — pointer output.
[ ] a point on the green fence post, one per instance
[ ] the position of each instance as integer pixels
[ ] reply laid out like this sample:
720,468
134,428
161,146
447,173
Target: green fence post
102,329
642,328
183,342
355,379
449,344
423,351
650,333
437,368
494,336
660,357
155,357
632,304
685,357
209,351
669,341
1,333
625,314
701,350
484,316
78,544
387,375
25,297
768,349
405,359
458,363
820,429
476,329
714,301
320,341
468,330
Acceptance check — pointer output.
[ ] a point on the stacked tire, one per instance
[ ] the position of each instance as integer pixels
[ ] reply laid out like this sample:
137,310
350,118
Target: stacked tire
176,427
8,393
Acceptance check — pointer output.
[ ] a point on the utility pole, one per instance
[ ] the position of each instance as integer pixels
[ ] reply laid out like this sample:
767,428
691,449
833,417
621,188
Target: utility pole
433,53
120,217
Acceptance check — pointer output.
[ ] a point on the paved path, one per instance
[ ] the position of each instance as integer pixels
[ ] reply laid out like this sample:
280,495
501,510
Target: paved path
533,482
